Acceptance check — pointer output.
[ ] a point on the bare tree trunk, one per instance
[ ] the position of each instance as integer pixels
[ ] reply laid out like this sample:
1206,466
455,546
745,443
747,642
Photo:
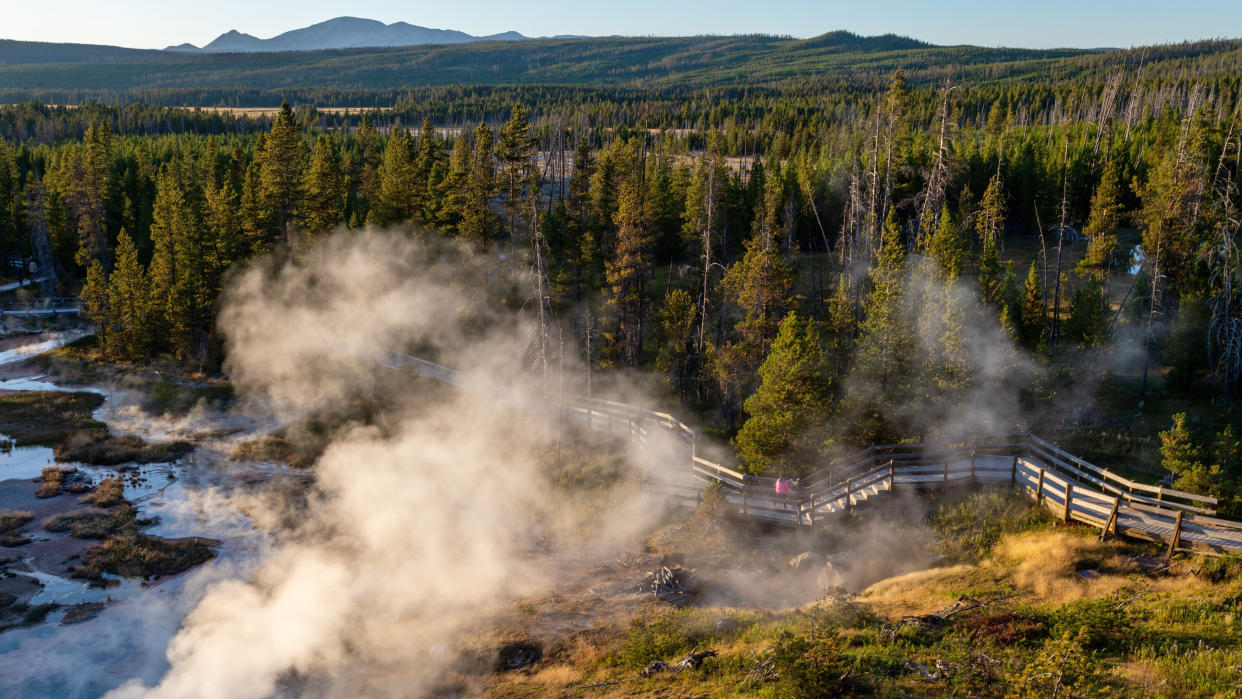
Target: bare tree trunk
1056,297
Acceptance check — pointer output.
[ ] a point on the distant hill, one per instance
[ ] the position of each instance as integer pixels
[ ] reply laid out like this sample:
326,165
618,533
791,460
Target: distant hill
74,73
341,33
33,52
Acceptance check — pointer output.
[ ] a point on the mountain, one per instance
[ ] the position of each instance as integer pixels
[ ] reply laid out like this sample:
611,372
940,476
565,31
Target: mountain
340,33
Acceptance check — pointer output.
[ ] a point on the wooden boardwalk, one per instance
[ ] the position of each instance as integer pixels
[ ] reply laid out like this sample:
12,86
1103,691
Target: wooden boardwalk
1071,488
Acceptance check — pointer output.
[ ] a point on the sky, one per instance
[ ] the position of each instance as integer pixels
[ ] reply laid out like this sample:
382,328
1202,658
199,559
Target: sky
1031,24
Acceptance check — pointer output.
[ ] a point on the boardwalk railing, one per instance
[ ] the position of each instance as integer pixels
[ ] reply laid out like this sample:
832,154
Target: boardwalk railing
41,307
1072,488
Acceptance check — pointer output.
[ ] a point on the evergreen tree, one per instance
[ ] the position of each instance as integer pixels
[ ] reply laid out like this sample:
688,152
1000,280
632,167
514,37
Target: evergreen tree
130,301
367,176
10,199
478,221
514,154
282,170
95,303
991,225
946,247
323,191
93,183
1033,330
760,284
1102,223
676,333
780,436
428,170
884,361
398,183
627,271
257,218
1087,324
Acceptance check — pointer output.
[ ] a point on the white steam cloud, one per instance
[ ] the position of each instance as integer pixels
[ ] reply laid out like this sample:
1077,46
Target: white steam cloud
423,520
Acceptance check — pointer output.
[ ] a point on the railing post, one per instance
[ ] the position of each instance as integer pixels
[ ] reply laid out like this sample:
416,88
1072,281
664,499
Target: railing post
972,465
849,496
1068,495
890,475
1013,473
810,513
1039,488
1176,539
1111,522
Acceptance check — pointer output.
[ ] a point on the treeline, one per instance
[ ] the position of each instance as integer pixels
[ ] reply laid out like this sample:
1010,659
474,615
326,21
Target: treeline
807,283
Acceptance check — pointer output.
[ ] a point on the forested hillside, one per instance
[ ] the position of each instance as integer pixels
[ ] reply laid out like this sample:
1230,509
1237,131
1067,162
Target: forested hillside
810,267
838,59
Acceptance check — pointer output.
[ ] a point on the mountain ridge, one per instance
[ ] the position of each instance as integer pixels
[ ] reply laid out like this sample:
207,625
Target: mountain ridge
340,33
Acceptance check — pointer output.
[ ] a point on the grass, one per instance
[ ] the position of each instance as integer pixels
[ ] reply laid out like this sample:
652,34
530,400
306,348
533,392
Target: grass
109,492
102,449
88,523
298,454
48,417
136,555
1040,627
11,523
53,480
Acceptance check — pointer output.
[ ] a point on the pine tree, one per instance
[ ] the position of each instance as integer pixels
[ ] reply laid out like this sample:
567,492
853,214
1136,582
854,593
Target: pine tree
92,188
10,199
478,221
398,184
627,271
95,303
1102,223
283,167
514,154
257,218
884,356
841,328
991,225
791,402
760,284
1181,454
1087,324
676,333
428,168
367,177
323,192
1033,328
131,301
946,247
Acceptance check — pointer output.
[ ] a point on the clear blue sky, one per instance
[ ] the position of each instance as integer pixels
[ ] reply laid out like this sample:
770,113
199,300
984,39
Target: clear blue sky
1076,23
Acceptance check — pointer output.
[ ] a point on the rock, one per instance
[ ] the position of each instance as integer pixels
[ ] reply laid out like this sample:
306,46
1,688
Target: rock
807,560
829,578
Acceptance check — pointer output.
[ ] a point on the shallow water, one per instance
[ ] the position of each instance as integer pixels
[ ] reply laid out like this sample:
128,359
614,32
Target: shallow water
129,638
23,462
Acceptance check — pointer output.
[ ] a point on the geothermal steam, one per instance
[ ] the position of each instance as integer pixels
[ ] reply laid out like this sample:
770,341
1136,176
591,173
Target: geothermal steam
422,521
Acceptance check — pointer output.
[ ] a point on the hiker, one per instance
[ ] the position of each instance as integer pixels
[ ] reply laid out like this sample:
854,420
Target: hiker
783,490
